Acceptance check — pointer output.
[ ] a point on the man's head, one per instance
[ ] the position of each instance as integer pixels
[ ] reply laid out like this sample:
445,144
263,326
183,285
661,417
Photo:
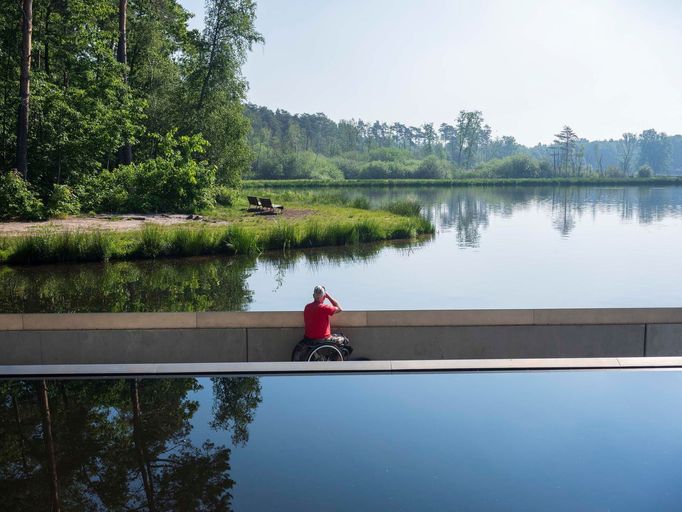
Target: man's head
319,293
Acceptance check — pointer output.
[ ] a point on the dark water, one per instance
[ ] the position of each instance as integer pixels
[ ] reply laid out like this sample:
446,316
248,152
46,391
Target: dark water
520,247
591,440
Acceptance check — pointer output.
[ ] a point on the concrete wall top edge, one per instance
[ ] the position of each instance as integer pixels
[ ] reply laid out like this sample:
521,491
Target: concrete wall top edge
11,322
95,321
284,319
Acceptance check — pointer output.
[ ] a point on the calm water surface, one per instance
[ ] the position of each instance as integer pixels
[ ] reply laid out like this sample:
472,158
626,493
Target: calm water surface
517,247
590,440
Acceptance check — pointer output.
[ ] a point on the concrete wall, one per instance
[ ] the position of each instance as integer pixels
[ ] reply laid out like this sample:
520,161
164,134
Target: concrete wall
378,335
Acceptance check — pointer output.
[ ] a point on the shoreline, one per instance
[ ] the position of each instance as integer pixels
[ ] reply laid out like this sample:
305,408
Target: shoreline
343,227
463,182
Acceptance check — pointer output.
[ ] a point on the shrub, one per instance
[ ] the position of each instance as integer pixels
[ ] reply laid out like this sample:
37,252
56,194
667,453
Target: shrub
225,196
613,172
103,192
432,168
17,199
63,202
174,181
645,172
516,166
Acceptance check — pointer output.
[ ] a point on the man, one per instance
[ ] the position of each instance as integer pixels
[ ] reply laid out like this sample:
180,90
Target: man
316,315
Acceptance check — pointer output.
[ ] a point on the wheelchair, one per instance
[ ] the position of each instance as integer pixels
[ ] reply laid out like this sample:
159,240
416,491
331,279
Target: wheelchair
336,348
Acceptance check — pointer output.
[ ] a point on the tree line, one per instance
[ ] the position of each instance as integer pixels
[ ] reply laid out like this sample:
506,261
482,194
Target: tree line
111,105
313,146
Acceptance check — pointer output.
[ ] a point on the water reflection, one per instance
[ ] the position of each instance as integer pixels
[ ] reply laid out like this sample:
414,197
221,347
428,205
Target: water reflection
194,284
467,210
495,247
119,445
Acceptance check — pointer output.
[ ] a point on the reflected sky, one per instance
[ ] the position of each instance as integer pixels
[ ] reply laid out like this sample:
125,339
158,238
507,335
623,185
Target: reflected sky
527,440
510,248
495,247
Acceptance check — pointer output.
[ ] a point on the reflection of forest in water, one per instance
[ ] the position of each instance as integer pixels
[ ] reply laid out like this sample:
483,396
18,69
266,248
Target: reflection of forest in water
467,210
222,283
191,284
120,444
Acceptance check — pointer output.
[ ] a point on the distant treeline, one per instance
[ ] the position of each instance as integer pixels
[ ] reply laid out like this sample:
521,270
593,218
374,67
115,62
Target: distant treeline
312,146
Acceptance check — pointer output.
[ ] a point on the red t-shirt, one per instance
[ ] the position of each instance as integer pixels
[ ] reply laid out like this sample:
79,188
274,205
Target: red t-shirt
316,317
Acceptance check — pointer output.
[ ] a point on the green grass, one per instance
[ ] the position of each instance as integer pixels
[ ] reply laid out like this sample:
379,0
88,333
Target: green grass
404,207
463,182
247,239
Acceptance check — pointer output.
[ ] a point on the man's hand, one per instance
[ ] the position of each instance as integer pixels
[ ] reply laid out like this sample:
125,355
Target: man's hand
333,301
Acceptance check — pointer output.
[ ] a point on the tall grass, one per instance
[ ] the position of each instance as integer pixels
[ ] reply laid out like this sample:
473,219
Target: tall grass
157,242
404,207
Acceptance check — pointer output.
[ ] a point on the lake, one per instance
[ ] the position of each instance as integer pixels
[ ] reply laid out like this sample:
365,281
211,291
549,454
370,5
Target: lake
495,247
528,440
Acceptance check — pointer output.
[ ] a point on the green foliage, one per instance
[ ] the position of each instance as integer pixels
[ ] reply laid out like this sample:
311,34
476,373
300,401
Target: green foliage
432,168
404,207
173,181
155,242
63,202
225,196
51,247
17,199
645,171
361,203
517,166
85,105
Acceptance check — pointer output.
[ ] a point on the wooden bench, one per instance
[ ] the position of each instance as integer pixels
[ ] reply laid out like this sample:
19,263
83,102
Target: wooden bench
268,206
254,204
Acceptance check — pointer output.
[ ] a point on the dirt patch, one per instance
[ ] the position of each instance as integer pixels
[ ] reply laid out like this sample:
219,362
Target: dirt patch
130,222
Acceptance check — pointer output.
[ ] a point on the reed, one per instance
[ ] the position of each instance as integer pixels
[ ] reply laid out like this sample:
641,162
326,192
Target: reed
157,242
404,207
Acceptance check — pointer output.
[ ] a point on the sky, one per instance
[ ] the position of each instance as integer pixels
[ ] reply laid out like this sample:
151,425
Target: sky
603,67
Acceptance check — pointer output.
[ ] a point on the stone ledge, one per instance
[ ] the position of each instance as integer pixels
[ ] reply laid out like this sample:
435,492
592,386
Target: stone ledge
275,368
108,321
288,319
607,316
11,322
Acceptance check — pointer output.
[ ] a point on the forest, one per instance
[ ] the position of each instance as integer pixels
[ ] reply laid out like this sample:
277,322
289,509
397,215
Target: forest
119,106
312,146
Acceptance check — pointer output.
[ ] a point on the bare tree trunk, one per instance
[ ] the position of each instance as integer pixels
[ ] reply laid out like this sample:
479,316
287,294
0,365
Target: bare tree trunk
139,446
49,444
22,444
126,152
24,88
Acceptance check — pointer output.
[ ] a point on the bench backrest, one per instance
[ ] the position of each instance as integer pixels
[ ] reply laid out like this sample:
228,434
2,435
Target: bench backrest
253,201
265,202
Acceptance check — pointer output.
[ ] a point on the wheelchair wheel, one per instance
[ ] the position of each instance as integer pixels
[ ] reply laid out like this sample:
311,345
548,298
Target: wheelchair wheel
325,353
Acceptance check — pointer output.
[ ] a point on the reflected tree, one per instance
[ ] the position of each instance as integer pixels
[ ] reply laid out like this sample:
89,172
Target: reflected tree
235,400
117,445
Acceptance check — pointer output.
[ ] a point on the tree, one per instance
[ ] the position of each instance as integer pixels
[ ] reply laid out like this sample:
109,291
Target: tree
126,152
654,151
566,142
626,151
24,87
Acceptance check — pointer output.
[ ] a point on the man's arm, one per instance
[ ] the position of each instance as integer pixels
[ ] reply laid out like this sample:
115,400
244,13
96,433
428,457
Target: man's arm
334,303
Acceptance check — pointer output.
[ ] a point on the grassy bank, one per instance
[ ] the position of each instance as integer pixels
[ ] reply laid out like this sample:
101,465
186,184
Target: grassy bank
465,182
329,225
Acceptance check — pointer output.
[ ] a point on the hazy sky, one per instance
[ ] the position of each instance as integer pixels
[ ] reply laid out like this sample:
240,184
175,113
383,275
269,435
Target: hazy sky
601,66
